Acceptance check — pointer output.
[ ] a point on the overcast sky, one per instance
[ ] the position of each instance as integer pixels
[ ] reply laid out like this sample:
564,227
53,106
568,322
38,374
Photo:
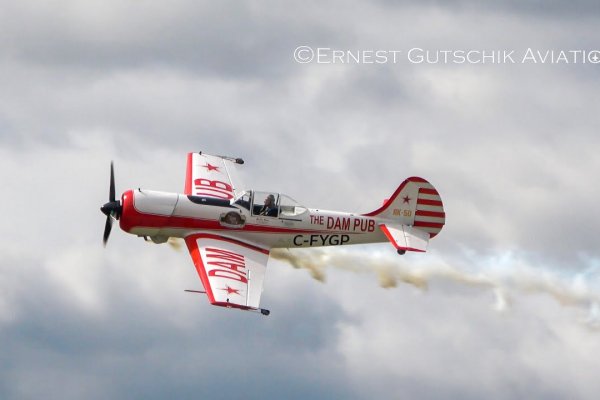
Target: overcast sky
506,303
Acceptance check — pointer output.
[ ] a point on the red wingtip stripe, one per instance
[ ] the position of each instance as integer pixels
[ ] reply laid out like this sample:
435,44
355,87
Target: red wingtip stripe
188,175
412,249
388,234
232,305
195,253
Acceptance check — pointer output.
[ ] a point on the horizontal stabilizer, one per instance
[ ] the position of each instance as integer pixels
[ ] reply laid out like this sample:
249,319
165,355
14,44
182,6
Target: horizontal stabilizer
406,237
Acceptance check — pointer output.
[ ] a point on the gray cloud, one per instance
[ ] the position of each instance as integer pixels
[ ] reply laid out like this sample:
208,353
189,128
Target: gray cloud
96,328
535,8
233,40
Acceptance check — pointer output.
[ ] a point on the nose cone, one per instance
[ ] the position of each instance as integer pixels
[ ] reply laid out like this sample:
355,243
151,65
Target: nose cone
112,208
128,215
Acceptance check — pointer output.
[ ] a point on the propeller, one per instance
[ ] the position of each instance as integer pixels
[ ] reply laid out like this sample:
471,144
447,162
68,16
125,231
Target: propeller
113,208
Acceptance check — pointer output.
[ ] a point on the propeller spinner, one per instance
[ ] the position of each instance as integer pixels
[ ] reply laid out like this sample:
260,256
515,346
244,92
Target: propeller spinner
113,208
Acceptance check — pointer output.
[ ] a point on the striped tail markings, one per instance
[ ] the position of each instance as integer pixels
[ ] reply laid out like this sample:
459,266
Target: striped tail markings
415,203
429,214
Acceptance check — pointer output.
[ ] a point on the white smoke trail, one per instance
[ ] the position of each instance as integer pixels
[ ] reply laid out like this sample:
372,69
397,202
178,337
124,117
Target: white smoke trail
316,262
502,276
502,300
593,319
389,269
176,243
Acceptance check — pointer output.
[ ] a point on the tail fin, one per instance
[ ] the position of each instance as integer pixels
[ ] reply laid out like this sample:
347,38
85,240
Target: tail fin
415,203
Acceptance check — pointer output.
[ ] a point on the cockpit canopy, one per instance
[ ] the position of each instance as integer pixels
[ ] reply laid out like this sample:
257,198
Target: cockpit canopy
282,206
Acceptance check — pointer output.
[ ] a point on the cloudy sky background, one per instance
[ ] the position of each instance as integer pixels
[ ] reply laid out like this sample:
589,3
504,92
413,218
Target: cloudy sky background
505,304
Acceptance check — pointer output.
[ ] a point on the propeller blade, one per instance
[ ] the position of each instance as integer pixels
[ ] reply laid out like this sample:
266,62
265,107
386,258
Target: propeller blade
107,228
111,195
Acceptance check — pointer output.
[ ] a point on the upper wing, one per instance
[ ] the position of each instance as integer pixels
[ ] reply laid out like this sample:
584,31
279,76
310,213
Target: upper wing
231,271
212,176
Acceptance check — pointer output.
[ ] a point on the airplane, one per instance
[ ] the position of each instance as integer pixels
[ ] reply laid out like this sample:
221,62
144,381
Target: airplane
230,230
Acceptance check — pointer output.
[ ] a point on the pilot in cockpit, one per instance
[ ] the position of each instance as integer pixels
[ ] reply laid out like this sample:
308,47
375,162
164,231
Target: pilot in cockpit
269,208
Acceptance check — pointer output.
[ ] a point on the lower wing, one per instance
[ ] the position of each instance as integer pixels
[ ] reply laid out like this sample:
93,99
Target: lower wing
231,271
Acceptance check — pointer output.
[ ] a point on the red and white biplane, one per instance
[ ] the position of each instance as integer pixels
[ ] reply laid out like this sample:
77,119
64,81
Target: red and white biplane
230,230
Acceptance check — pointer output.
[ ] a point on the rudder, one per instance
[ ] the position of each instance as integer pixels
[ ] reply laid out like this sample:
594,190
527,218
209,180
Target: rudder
414,203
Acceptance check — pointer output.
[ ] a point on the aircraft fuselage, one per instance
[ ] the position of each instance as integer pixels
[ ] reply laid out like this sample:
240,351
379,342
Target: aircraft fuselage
160,215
